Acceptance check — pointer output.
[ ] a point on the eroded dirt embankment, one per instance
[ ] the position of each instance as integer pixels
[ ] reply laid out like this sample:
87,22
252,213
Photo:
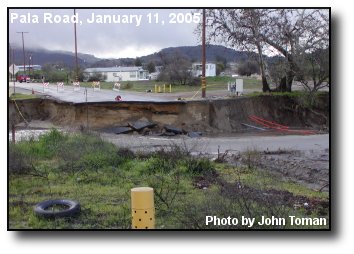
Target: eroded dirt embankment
213,116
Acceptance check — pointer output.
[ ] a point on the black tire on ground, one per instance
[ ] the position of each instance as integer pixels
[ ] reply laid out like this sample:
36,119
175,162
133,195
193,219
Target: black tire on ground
41,209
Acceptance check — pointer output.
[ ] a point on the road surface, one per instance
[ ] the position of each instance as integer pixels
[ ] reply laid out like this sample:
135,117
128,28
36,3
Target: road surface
210,145
68,93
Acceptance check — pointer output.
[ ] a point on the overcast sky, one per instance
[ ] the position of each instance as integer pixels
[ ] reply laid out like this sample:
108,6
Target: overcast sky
104,40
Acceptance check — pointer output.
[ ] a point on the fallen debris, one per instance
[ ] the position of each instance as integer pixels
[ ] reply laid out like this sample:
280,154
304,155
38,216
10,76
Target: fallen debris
122,130
194,134
146,128
140,125
254,127
173,129
167,134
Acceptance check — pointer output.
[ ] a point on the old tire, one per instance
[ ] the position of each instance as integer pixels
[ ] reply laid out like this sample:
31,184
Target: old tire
71,208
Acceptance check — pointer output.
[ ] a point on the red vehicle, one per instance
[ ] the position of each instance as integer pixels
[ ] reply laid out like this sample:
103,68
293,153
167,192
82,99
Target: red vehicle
23,78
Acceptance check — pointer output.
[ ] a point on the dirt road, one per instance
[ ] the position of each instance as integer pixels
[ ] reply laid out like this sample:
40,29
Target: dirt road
211,145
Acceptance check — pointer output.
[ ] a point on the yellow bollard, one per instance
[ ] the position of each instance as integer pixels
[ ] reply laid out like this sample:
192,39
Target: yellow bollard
143,210
155,88
159,89
164,88
170,88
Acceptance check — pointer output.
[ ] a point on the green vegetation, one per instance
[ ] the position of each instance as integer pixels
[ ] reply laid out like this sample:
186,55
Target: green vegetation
99,175
213,83
304,98
21,96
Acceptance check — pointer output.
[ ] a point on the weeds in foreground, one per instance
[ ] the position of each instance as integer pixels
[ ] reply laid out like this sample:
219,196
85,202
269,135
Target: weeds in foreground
99,175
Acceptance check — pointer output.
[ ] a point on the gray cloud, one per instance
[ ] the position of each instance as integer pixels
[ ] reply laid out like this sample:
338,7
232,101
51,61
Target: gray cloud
106,40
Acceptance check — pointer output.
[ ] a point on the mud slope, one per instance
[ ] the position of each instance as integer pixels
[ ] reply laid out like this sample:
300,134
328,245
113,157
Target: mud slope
210,116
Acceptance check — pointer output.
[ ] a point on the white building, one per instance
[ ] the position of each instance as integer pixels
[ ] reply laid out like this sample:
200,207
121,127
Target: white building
114,74
35,67
210,70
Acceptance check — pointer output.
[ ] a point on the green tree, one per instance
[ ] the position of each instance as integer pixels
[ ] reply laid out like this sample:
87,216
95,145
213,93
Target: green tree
151,67
138,62
247,68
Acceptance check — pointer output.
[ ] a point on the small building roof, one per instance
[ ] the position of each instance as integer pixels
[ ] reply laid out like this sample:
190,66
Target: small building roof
201,63
115,69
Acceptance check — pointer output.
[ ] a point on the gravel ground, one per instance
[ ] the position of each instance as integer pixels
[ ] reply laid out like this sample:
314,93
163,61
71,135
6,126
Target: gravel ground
309,168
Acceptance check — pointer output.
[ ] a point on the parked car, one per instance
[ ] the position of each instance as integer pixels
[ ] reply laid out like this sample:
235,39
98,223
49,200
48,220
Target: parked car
23,78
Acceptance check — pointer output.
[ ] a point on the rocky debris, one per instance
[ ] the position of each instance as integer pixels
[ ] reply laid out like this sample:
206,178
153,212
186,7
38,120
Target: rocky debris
146,128
273,197
118,129
141,124
167,134
308,168
122,130
173,129
194,134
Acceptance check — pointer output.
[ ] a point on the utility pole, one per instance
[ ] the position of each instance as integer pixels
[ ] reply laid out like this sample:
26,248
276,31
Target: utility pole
23,49
76,64
12,61
203,57
29,63
13,70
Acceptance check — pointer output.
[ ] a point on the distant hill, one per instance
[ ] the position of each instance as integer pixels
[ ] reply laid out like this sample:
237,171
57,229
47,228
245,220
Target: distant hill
41,57
193,53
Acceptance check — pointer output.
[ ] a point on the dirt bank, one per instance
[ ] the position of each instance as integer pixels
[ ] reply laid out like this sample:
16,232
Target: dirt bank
213,116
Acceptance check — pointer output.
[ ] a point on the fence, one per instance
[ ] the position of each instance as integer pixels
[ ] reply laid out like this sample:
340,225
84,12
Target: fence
60,86
162,88
45,86
76,86
116,87
96,85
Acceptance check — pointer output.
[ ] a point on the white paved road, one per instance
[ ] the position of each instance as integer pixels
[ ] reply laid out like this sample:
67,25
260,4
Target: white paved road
68,93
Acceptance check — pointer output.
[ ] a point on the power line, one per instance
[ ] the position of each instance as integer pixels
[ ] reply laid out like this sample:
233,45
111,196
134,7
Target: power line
76,64
203,57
